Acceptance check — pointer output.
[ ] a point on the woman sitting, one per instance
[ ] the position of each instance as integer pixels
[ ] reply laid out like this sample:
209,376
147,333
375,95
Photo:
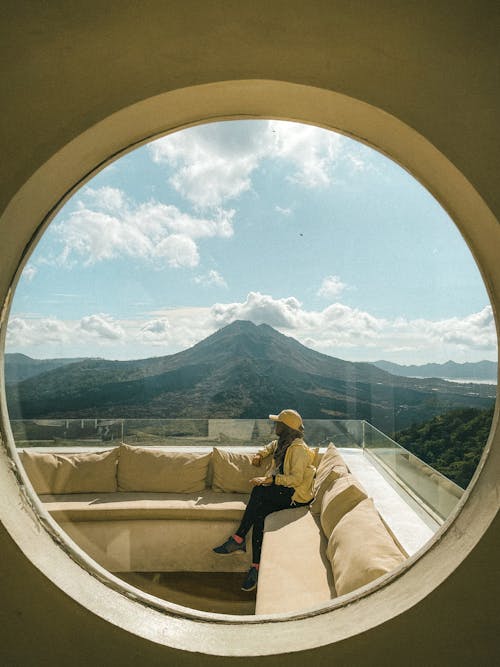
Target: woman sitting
289,484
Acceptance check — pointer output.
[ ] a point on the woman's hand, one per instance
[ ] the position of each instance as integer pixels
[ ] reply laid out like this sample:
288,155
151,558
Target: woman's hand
261,481
257,460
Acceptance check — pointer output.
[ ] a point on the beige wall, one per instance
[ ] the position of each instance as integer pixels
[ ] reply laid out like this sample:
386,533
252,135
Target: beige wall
433,66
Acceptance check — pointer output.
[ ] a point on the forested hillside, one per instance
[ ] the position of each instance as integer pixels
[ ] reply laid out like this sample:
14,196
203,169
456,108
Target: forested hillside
451,443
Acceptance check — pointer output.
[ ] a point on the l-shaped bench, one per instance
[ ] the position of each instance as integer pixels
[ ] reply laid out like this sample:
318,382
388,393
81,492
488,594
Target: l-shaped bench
142,509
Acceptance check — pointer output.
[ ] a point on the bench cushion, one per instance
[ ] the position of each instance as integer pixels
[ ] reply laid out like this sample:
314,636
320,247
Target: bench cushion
232,471
294,572
342,496
159,471
71,473
330,468
119,506
360,549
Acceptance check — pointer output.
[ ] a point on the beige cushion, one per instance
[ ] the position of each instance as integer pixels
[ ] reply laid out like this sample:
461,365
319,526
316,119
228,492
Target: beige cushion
294,571
71,473
232,471
125,506
342,496
157,470
331,467
360,549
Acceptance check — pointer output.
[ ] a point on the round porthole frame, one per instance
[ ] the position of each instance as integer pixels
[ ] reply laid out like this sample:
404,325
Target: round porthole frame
67,566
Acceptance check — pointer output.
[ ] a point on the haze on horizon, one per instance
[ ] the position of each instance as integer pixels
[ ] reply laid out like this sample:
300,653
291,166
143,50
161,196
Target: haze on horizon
274,222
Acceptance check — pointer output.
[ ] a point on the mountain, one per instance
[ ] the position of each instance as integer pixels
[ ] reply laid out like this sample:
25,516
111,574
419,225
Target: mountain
244,371
19,367
478,371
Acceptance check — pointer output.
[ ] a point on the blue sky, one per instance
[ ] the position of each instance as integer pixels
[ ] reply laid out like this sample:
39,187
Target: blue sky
299,227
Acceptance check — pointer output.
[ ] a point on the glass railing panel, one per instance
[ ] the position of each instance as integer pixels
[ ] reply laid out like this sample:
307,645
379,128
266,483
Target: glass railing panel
66,432
342,432
439,494
176,432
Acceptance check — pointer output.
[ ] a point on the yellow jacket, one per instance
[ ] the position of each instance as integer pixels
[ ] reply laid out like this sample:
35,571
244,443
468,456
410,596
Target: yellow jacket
298,468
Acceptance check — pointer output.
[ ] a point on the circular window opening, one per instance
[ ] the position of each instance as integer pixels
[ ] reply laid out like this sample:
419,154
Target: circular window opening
215,276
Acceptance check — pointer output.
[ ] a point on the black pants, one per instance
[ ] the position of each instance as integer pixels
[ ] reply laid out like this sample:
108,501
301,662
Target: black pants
263,501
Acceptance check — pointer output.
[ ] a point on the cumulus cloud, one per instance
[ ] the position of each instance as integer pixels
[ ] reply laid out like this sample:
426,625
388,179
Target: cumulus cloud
311,150
215,162
156,331
211,279
339,327
102,326
97,328
106,198
331,287
176,329
260,309
109,226
473,332
338,330
22,332
178,250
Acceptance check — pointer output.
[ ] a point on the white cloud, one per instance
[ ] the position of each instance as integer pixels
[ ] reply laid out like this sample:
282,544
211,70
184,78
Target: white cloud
22,332
39,331
336,325
331,287
338,330
211,279
260,309
29,272
178,250
176,329
156,331
473,332
151,231
311,150
283,211
215,162
107,198
102,326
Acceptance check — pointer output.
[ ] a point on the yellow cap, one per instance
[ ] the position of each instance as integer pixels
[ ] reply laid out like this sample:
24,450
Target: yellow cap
289,417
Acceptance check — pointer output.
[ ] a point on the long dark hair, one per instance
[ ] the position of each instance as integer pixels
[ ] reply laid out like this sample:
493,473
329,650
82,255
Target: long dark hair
285,439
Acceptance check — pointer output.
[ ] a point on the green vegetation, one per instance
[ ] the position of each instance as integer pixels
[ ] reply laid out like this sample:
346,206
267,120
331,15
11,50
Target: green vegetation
452,443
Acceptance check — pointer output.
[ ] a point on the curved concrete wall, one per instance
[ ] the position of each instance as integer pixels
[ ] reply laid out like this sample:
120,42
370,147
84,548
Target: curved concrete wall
81,76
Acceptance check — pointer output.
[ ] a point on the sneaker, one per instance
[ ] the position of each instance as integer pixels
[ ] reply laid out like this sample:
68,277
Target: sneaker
229,546
250,582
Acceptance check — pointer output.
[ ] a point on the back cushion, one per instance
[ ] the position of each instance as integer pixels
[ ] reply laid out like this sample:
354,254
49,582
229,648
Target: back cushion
71,473
360,549
233,471
156,470
342,496
331,467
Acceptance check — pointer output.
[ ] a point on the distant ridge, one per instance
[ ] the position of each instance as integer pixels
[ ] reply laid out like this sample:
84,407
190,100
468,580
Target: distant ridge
241,371
19,367
473,371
